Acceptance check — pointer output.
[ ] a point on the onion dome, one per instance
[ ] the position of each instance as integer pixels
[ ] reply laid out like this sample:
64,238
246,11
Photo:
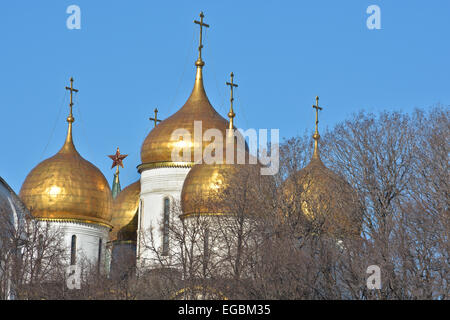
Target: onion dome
124,216
157,148
323,196
68,187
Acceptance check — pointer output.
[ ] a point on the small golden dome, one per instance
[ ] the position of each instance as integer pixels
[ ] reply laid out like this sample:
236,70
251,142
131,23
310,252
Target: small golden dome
125,207
213,189
67,187
157,147
202,188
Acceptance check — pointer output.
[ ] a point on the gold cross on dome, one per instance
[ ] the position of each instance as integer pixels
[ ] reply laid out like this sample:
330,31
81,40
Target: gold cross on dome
316,106
232,85
201,32
155,119
72,90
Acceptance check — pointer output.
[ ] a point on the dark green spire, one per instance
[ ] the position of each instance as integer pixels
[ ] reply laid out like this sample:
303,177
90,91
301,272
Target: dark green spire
116,184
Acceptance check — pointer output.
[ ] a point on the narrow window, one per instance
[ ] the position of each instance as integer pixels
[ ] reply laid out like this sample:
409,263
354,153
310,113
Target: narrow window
73,250
205,251
165,247
99,260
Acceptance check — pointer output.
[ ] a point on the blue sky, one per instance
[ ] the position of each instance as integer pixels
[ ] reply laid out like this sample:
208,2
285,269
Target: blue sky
132,56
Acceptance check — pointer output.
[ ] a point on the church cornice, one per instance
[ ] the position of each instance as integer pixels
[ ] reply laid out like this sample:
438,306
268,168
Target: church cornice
164,164
76,221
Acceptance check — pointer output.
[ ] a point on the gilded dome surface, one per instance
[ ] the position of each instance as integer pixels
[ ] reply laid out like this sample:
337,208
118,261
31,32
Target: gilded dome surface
215,189
158,146
67,187
125,207
202,187
323,197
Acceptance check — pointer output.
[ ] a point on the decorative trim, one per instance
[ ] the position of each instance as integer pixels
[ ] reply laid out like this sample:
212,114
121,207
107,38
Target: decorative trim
73,220
208,214
116,242
164,164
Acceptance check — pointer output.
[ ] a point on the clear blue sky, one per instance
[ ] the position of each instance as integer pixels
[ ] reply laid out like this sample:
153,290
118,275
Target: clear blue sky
132,56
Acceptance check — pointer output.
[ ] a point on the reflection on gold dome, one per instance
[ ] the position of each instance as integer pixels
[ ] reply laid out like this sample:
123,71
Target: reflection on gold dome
67,187
201,189
125,207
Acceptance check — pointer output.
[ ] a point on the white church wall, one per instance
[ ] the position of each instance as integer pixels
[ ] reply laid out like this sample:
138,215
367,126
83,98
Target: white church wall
87,241
156,185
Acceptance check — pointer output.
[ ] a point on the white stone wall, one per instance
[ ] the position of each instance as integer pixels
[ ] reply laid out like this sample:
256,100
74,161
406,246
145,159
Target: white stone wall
87,244
156,185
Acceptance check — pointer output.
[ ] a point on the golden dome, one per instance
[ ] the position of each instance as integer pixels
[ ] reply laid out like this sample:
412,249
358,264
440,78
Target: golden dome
202,188
324,197
125,207
215,189
157,148
67,187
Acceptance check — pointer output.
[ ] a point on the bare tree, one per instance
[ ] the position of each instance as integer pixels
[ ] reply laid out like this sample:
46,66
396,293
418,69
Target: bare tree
32,258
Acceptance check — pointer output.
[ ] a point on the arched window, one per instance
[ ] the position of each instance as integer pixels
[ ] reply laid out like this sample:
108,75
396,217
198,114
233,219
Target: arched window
99,260
73,250
166,216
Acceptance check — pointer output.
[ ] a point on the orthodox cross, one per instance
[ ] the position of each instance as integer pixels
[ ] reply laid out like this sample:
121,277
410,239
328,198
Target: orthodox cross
72,90
155,119
316,106
201,31
117,159
232,85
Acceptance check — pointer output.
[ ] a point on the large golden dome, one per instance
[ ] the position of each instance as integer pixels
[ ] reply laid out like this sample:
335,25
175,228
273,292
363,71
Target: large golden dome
125,208
68,187
157,148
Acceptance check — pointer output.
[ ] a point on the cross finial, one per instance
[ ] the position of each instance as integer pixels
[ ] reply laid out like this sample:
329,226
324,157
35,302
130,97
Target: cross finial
70,118
231,114
316,106
155,119
316,135
200,46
